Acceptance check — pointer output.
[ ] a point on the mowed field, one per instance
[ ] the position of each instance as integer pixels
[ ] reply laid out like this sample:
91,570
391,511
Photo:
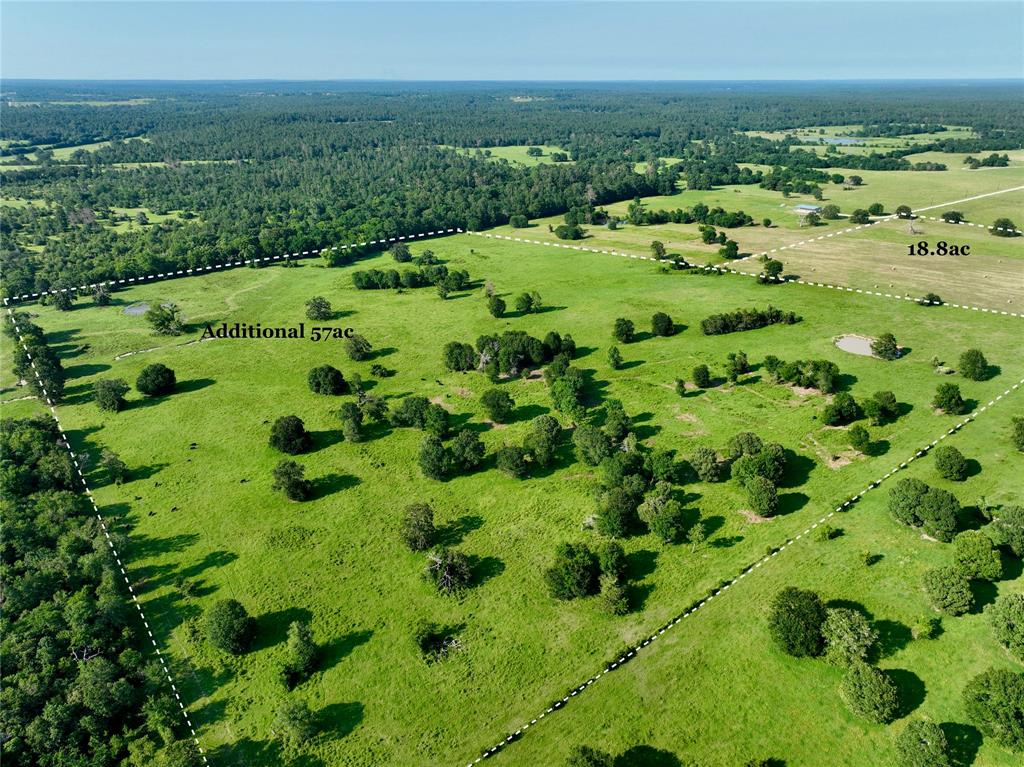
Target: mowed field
874,258
203,523
516,154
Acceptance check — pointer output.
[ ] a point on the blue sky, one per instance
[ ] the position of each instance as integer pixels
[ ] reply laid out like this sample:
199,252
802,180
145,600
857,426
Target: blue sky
724,40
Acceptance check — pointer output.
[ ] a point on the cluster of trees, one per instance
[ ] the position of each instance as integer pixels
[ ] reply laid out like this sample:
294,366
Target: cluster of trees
746,319
153,381
801,625
35,362
447,281
507,354
822,375
758,467
934,510
639,215
994,160
78,686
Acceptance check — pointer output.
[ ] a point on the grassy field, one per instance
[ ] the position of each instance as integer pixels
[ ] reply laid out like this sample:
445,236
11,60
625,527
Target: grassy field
661,699
200,509
514,154
819,138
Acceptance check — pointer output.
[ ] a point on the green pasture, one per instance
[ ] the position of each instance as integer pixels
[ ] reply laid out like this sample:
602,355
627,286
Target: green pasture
202,522
515,154
714,690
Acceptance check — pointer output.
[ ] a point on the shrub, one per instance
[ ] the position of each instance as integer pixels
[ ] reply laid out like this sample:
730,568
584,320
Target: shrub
435,420
736,365
614,358
662,324
1006,617
744,443
848,636
973,365
930,299
574,573
1004,227
289,435
923,744
228,626
881,407
358,348
870,693
418,529
498,404
319,308
1007,529
885,347
1018,433
301,653
948,399
702,376
434,642
466,451
860,440
294,721
613,596
592,446
458,357
995,705
518,221
952,217
617,515
585,756
705,463
926,627
841,410
115,468
951,463
289,479
976,557
434,460
155,380
351,417
542,439
496,306
876,209
165,319
795,621
327,380
762,496
449,570
411,411
612,560
109,394
623,331
860,216
948,590
511,459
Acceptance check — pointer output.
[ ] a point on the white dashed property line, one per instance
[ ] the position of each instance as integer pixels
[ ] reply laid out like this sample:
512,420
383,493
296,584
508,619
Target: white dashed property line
968,223
969,199
815,239
723,270
232,264
626,656
103,528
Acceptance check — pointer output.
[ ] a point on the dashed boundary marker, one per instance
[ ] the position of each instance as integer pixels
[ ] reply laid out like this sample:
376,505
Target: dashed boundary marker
720,590
969,223
103,526
723,270
298,255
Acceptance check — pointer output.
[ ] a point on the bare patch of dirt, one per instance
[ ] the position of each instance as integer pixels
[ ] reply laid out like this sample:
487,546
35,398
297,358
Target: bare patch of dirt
462,391
752,518
495,425
927,537
439,400
534,375
803,391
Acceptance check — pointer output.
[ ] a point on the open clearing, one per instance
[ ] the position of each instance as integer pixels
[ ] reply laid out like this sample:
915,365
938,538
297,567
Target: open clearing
203,517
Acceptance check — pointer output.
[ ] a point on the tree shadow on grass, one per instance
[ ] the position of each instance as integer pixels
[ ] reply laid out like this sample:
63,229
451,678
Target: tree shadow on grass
583,351
726,541
911,687
877,448
647,756
484,568
451,533
798,469
383,352
324,439
272,627
81,371
332,483
893,636
193,384
640,564
713,524
964,742
336,720
631,364
790,502
529,412
985,593
341,647
973,468
636,595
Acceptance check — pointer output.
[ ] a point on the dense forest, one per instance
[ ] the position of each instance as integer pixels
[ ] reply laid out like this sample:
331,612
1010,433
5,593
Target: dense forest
258,169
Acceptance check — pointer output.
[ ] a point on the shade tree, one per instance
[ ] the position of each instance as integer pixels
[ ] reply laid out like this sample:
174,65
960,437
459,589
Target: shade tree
288,435
155,380
795,620
289,478
228,626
